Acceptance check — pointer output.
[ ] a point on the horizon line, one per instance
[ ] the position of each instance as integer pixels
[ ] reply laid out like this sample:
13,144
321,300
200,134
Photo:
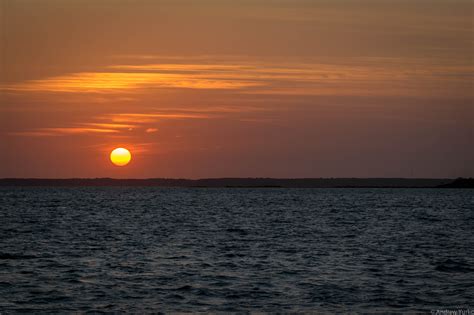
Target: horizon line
222,178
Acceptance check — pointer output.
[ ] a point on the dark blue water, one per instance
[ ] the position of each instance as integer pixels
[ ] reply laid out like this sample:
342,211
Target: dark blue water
179,250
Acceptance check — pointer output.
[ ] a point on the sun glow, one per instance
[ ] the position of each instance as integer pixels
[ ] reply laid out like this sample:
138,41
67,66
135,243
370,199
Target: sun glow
120,156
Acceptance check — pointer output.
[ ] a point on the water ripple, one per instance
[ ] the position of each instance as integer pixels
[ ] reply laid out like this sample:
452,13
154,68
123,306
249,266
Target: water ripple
235,250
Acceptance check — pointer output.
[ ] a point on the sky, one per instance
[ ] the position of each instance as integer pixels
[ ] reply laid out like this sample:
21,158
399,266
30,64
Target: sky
242,88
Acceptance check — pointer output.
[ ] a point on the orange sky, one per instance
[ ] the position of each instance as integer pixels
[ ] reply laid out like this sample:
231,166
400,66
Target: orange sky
251,88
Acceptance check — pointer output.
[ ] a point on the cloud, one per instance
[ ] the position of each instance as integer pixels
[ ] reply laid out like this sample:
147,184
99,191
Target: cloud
121,81
114,125
152,117
42,132
355,76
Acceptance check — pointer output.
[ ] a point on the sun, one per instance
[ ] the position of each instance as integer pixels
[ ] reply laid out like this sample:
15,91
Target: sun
120,156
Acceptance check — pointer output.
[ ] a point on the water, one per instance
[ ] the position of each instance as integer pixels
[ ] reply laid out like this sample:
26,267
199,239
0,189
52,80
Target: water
178,250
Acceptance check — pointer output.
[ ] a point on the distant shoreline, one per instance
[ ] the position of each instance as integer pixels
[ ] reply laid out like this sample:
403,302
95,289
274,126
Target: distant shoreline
246,182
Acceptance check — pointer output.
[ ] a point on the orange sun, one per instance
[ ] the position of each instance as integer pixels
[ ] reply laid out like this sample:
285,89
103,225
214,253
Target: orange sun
120,156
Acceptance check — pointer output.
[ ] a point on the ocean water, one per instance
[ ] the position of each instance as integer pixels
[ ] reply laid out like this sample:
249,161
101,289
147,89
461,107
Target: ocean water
217,250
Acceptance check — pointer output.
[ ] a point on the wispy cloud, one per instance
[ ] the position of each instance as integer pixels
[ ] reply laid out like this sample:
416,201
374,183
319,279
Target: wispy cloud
121,81
115,125
112,125
44,132
369,76
153,117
